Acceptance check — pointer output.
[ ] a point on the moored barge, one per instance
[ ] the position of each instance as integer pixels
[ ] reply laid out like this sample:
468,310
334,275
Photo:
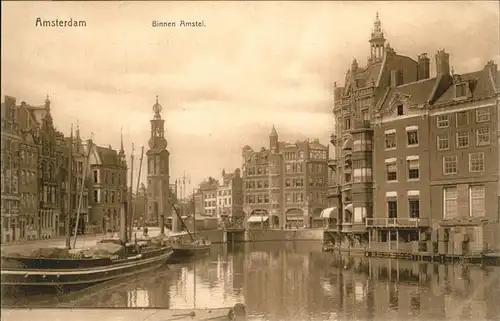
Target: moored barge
61,270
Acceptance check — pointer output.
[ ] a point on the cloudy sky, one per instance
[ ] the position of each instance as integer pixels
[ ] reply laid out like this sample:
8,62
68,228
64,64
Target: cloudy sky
222,86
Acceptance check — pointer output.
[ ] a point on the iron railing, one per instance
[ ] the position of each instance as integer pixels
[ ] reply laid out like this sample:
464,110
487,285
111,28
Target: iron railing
397,222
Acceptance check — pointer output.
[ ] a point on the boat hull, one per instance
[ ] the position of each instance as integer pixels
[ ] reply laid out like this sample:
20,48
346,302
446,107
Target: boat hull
82,277
183,253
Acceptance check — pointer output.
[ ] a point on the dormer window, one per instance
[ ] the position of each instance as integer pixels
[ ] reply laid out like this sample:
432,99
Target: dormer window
460,90
400,109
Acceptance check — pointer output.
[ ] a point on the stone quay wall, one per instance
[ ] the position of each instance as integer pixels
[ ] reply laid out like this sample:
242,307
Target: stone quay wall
220,236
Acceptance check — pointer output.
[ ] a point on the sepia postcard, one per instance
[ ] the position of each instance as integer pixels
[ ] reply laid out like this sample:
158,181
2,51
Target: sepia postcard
250,160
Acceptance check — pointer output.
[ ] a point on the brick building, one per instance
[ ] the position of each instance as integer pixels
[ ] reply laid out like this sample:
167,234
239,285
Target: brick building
12,220
230,196
80,184
28,174
37,122
107,185
208,192
140,203
435,139
285,184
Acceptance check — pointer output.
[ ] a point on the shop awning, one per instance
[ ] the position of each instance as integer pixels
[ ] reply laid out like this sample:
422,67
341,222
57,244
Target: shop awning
329,212
257,218
295,218
348,208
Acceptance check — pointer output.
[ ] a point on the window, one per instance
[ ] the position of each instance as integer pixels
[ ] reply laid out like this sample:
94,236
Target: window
356,145
391,172
96,177
460,90
462,118
443,142
359,214
347,123
414,206
482,114
449,164
482,136
366,116
400,110
477,201
413,169
399,77
96,196
476,162
412,137
450,202
392,208
390,140
462,139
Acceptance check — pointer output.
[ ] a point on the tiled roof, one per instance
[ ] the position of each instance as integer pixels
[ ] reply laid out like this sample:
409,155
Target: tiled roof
479,83
107,156
419,92
316,145
441,90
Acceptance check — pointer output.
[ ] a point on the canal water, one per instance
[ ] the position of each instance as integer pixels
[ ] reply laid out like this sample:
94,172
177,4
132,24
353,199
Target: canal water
296,281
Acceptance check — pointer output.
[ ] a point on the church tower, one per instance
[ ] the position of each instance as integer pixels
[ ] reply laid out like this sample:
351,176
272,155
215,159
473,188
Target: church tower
158,169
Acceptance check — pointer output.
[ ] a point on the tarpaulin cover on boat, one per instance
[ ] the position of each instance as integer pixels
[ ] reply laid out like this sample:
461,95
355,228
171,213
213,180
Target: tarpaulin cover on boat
103,250
51,252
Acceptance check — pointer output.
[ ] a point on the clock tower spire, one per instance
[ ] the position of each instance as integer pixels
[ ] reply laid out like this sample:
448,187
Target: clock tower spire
157,140
159,207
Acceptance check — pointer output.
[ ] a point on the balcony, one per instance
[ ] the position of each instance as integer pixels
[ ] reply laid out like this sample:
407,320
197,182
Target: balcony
333,191
347,186
397,222
332,163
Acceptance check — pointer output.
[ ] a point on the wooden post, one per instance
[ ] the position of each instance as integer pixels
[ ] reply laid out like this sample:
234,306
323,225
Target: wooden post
397,241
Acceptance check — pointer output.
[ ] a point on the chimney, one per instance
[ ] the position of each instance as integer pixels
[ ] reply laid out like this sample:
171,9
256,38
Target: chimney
337,91
492,68
9,100
394,78
423,71
442,63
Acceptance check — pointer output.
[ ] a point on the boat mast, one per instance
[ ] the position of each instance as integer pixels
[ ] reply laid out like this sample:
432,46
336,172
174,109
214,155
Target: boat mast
70,183
134,204
87,159
194,217
180,218
130,207
194,284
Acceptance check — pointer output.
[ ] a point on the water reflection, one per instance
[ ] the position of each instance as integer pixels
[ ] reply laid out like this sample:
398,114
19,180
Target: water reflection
296,281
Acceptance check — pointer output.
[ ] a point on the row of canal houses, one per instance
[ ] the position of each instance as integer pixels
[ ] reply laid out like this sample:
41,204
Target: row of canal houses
35,177
416,164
